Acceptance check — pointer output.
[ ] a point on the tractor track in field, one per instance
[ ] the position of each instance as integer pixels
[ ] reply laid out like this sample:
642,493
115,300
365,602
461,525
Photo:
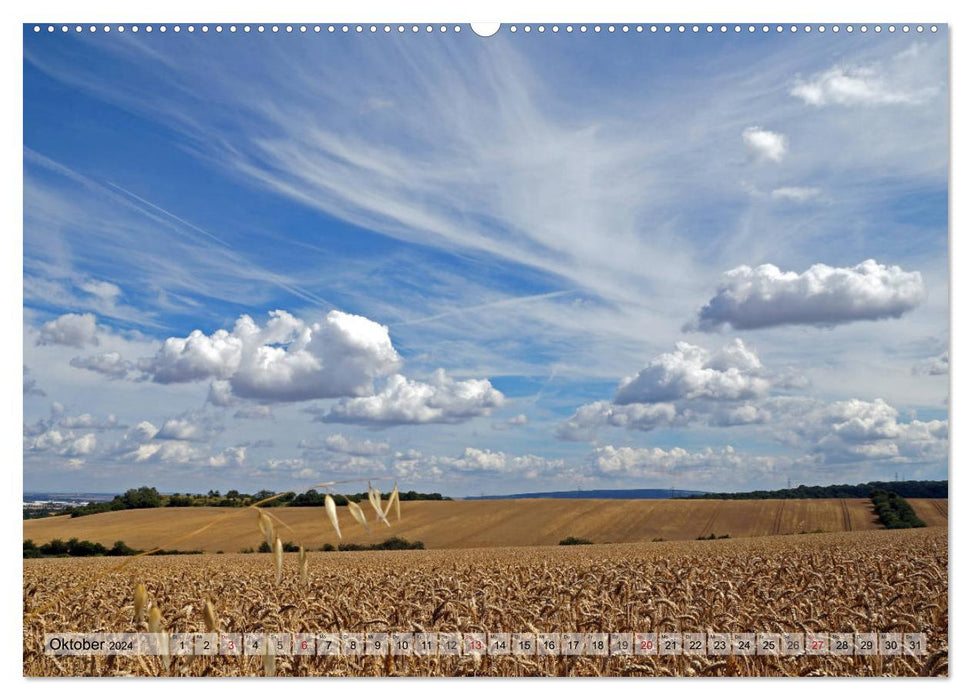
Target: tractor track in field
710,522
777,523
847,522
940,508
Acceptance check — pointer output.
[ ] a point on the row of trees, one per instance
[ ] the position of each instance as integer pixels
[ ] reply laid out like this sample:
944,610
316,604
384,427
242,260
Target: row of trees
83,548
148,497
894,512
75,548
907,489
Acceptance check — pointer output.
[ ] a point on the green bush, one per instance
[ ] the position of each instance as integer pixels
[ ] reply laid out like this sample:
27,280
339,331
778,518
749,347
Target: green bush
569,541
895,512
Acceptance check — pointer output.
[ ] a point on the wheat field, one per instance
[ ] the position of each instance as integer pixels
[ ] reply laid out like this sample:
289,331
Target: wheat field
460,524
871,581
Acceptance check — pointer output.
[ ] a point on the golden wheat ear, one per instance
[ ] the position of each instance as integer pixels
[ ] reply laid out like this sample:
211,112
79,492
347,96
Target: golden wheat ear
374,496
358,514
331,509
395,502
210,617
304,573
269,663
155,620
266,527
278,558
141,597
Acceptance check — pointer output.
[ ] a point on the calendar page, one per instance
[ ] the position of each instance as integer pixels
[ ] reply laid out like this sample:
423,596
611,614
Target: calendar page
517,349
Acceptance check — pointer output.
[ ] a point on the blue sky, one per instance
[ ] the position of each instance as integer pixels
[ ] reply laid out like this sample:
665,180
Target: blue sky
527,262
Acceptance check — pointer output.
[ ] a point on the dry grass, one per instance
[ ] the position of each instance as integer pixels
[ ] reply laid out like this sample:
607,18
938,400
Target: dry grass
459,524
862,581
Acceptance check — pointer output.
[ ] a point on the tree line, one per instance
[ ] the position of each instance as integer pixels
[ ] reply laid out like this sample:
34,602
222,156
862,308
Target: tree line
83,548
149,497
905,489
894,511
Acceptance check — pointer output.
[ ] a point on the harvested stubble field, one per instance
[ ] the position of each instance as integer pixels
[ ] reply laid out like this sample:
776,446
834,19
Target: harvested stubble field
861,581
460,524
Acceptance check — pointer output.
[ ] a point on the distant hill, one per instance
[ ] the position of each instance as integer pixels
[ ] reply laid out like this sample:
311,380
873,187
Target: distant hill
497,523
629,494
906,489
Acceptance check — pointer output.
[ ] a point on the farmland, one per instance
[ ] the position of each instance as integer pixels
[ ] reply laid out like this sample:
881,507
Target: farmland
462,524
866,581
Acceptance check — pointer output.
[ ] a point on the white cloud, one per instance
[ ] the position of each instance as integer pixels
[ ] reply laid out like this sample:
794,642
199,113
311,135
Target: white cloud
142,432
285,360
61,442
221,393
230,457
75,330
180,429
254,412
362,448
30,385
106,291
583,425
765,144
796,194
893,83
933,366
856,431
178,442
440,400
166,452
476,461
690,384
109,364
510,423
765,296
641,462
89,422
691,372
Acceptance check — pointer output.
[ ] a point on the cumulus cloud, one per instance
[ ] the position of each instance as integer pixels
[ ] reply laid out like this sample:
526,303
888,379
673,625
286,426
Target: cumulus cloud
857,431
166,452
646,462
177,442
230,457
933,366
221,393
796,194
59,426
64,443
511,423
189,427
583,425
86,421
288,359
440,400
362,448
690,384
476,462
690,372
254,412
864,85
764,144
30,385
109,364
823,296
180,429
74,330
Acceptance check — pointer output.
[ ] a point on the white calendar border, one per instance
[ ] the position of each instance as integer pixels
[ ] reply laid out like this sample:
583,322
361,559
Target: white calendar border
509,10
